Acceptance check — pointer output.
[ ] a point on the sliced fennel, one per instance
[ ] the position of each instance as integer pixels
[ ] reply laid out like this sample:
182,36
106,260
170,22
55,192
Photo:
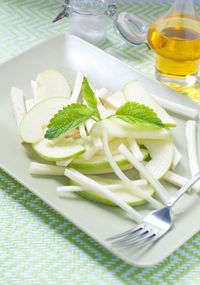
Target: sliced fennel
114,101
135,149
46,169
104,112
136,190
64,163
160,190
121,190
74,188
101,93
18,104
178,109
89,183
98,164
101,179
113,187
34,89
100,157
175,179
176,158
29,104
77,87
192,150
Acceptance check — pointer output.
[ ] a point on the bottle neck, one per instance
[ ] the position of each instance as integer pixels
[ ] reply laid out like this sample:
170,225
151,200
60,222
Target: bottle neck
183,7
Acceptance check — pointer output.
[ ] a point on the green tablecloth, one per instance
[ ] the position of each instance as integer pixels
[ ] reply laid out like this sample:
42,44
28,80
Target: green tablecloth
37,245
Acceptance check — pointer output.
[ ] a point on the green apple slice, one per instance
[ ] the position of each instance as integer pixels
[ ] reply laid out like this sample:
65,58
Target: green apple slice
117,128
51,83
115,143
134,91
161,153
35,121
123,193
64,149
98,164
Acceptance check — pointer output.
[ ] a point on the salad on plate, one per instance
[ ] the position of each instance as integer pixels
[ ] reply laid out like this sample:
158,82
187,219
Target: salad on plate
84,133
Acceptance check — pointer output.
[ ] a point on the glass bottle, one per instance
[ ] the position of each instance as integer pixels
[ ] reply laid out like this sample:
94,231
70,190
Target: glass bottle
88,18
175,38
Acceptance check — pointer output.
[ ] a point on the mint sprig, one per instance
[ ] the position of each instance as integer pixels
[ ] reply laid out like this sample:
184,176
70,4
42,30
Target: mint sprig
67,119
73,115
89,96
139,114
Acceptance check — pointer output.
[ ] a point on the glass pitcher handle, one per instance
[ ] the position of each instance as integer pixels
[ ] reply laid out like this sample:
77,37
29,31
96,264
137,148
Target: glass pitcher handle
131,28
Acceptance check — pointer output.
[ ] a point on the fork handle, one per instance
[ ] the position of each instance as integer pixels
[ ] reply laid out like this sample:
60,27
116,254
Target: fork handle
182,190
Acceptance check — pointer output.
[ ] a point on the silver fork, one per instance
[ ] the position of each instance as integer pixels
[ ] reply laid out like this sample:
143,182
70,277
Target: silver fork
154,225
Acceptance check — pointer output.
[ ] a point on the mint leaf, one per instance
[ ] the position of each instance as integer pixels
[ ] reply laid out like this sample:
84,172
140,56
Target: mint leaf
67,119
89,96
135,113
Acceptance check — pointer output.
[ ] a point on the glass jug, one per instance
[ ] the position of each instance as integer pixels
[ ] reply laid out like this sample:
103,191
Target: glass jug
175,38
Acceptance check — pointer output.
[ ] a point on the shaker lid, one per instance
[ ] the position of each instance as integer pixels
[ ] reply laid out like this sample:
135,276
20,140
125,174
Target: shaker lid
88,7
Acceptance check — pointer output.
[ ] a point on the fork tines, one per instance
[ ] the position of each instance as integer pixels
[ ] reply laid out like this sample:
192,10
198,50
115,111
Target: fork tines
138,236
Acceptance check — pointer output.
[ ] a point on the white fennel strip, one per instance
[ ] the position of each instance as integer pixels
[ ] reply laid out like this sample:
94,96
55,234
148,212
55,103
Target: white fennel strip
82,131
101,93
18,104
89,124
29,103
63,190
138,182
104,112
135,149
178,180
160,190
97,143
178,109
46,169
135,189
114,101
34,88
190,132
90,149
64,163
77,88
175,179
92,146
89,183
176,158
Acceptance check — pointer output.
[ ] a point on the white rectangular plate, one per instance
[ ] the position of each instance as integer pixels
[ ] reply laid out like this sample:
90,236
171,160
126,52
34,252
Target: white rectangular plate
70,54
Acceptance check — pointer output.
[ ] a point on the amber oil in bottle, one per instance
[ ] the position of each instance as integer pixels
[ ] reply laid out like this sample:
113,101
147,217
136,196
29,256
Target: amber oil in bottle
176,42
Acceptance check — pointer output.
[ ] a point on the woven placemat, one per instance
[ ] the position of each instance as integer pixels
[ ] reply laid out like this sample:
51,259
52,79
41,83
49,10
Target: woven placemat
37,245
